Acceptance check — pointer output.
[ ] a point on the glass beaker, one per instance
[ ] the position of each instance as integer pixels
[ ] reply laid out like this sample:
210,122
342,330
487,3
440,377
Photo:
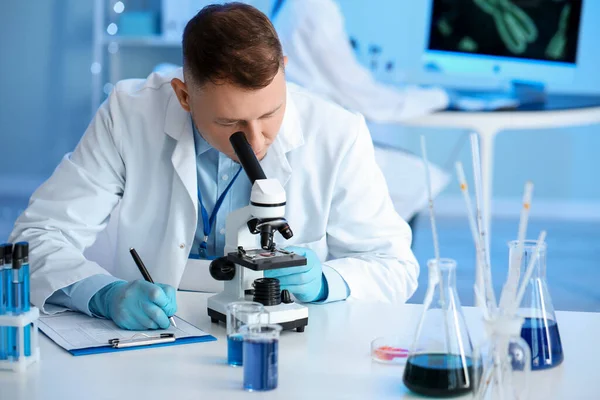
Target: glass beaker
540,329
261,353
441,361
241,313
506,361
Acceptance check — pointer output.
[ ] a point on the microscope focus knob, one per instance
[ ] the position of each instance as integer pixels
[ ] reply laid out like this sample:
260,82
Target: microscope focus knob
222,269
286,297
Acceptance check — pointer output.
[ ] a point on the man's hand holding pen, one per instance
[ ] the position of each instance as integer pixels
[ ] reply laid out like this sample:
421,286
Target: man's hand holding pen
137,305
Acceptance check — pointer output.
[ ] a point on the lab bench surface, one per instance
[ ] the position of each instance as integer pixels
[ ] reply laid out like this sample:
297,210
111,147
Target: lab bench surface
330,360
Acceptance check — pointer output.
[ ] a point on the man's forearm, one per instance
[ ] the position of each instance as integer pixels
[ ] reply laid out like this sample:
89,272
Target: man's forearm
77,296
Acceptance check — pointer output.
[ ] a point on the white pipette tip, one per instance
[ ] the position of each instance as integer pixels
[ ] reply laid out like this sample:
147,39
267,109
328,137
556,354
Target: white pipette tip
462,180
514,271
527,195
460,174
481,226
524,219
436,247
529,271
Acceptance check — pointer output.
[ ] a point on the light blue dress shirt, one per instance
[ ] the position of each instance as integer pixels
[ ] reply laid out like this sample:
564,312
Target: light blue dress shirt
214,173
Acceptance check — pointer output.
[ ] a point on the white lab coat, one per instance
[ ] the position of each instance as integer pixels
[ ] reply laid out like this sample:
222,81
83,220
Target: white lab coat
321,59
135,167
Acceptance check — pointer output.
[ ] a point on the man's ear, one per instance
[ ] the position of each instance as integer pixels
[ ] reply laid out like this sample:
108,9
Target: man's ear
285,60
181,91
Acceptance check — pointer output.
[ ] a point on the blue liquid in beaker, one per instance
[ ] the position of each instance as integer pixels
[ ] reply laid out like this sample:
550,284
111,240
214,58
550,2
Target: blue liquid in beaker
260,364
439,375
235,347
544,341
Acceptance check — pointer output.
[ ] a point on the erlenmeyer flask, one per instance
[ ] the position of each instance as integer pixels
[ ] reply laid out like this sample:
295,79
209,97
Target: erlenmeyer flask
540,329
440,362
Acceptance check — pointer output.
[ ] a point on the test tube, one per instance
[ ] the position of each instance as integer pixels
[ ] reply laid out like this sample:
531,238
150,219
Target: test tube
21,263
261,353
3,329
17,287
11,333
240,313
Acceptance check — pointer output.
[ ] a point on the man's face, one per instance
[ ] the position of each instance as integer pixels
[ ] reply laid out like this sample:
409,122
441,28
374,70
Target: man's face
220,110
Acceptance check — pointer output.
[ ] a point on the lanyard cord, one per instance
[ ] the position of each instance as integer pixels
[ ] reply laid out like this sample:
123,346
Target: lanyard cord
208,222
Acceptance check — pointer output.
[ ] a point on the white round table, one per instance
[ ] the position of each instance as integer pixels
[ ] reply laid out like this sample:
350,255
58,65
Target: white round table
558,111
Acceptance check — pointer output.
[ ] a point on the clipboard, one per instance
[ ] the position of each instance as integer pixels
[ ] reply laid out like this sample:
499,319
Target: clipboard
142,340
82,335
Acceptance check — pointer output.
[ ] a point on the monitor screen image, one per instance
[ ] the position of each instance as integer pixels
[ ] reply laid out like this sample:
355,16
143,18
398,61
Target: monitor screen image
545,30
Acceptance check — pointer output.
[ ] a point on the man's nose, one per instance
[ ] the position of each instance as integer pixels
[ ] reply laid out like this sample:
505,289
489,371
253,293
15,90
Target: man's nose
255,136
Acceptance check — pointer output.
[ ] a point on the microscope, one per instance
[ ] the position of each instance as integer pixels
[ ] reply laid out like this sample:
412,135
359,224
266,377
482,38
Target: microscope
250,249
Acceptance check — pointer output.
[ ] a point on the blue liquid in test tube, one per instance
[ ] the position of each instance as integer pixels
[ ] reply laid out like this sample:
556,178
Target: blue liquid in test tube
17,285
21,258
3,330
235,350
9,333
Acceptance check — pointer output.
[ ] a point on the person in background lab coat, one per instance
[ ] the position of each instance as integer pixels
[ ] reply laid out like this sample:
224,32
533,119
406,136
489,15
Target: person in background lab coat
321,59
156,158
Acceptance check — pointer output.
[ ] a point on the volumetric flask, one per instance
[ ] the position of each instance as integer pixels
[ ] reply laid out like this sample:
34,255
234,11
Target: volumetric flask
540,329
261,353
441,361
241,313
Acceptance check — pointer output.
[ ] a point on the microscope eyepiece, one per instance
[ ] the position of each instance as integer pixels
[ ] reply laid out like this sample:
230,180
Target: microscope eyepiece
246,155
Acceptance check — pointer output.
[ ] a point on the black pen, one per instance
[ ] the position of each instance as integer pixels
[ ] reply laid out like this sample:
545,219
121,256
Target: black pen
145,274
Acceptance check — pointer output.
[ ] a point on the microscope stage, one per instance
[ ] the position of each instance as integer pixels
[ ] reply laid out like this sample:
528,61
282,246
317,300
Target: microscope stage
262,260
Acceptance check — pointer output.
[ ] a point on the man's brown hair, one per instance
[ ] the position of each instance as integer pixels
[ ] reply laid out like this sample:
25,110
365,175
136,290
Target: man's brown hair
231,43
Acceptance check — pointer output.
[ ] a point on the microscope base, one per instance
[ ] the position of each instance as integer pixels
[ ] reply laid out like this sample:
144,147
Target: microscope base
290,316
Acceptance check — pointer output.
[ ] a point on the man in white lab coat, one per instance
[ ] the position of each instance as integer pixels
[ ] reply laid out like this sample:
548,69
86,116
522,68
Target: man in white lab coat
156,159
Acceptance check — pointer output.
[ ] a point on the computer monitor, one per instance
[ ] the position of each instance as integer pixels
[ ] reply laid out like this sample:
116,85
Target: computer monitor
527,40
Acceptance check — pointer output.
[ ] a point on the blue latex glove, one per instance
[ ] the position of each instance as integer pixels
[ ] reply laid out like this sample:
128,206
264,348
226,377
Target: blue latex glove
307,283
137,305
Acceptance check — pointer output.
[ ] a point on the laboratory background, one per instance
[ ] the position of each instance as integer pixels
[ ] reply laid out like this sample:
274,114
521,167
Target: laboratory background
60,59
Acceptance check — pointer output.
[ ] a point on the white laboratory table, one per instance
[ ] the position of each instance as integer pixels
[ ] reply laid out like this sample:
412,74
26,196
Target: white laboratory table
558,111
330,360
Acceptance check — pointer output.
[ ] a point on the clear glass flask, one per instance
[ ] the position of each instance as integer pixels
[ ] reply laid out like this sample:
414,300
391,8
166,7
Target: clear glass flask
441,361
540,329
506,361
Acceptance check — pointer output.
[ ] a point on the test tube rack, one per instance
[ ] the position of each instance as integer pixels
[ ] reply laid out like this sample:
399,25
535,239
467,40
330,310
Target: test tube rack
20,321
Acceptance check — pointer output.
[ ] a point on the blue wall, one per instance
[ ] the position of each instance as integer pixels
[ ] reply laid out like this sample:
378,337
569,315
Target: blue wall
45,94
45,85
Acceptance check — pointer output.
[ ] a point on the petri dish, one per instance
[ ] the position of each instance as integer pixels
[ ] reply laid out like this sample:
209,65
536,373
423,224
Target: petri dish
389,350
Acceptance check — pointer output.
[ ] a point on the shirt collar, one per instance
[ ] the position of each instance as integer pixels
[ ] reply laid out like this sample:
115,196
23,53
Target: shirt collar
200,143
